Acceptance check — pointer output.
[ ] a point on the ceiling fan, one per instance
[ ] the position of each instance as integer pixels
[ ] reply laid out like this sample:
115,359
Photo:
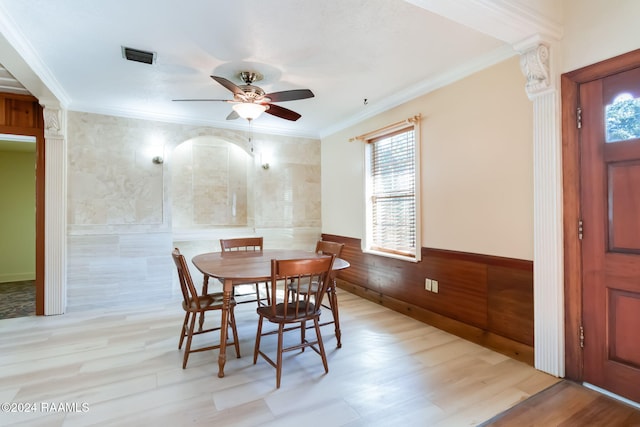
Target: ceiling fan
250,101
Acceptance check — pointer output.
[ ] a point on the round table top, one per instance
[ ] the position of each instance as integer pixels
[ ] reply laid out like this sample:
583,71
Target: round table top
250,265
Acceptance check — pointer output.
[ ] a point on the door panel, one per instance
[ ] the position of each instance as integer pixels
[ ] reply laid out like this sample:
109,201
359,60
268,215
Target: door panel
610,192
624,347
624,200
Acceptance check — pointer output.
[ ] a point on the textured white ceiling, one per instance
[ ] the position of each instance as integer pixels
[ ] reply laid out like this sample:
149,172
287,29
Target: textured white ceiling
345,51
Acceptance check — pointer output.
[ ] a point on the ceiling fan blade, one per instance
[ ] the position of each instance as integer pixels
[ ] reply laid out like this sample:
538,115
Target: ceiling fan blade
290,95
229,85
233,115
221,100
283,113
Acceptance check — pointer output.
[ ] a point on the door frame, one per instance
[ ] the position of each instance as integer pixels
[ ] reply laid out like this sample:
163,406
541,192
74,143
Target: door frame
570,85
36,130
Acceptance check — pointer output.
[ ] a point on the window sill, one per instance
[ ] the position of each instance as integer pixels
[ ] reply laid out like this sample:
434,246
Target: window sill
389,255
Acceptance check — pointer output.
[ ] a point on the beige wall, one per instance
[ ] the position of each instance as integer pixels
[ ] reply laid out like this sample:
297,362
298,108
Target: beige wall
477,179
17,216
120,230
596,30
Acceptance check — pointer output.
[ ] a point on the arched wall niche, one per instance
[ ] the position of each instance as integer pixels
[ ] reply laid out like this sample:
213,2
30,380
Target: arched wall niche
212,181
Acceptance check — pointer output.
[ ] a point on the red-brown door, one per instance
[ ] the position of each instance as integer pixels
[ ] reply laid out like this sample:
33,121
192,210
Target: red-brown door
610,193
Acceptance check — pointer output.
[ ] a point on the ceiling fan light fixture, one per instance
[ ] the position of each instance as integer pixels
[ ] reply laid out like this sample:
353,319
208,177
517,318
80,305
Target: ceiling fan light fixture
249,110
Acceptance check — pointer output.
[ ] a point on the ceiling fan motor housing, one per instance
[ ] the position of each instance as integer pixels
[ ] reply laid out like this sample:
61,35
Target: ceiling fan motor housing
251,93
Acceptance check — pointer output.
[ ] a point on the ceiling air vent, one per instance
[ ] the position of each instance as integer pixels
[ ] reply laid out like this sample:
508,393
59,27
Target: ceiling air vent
138,55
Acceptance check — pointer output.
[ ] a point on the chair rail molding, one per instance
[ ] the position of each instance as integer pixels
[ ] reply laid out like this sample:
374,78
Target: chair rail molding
537,61
55,224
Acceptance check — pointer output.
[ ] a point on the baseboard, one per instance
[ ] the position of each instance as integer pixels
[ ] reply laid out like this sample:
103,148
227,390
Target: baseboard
506,346
18,277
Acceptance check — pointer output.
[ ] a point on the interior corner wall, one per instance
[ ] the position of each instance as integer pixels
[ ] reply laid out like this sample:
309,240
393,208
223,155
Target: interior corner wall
477,166
17,216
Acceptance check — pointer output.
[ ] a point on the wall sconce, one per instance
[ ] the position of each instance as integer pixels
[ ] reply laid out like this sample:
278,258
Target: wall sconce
265,160
157,160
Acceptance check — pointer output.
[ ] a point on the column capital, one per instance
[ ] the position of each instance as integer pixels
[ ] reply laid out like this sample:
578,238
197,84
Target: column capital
534,63
53,122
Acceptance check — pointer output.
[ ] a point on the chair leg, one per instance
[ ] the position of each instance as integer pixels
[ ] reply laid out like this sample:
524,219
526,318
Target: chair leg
321,345
187,350
303,329
259,298
279,355
234,331
333,303
183,332
256,347
205,290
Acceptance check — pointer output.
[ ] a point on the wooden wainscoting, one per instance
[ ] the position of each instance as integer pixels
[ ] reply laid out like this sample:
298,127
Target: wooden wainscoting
484,299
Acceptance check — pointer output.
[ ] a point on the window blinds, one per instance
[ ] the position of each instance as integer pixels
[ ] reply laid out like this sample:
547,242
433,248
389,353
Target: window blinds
393,198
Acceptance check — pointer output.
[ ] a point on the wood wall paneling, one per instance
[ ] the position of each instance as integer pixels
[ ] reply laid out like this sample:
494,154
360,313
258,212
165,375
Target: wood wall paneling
510,303
485,299
20,112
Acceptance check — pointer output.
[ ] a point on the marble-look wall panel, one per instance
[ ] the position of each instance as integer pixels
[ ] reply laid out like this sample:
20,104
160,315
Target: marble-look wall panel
110,178
120,219
210,184
292,185
182,186
111,270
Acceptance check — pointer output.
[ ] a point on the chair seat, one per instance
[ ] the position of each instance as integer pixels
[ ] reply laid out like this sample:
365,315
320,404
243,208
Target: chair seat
211,301
304,289
304,311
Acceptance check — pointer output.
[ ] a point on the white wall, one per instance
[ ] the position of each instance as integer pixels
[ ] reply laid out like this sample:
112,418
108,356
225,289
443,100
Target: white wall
477,189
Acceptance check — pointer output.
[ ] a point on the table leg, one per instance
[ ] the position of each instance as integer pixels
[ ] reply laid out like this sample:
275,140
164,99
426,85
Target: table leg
226,299
205,290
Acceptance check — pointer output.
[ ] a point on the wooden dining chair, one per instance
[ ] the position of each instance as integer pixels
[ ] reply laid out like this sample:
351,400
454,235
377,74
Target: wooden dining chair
291,308
194,304
330,248
247,244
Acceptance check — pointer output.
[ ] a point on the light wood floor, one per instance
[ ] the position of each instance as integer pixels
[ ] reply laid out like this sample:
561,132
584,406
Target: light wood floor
121,367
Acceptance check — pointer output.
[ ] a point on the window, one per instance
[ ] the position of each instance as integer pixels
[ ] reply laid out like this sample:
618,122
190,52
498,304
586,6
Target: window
392,191
622,118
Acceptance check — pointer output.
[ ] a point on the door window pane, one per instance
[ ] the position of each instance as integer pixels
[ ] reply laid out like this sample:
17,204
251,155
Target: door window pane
622,118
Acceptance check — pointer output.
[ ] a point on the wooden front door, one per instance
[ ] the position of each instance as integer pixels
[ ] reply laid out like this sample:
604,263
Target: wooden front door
610,205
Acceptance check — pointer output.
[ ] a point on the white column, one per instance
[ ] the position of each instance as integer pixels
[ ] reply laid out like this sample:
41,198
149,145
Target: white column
55,205
548,274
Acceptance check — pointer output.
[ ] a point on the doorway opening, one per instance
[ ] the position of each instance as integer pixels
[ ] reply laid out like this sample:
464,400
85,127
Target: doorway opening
18,226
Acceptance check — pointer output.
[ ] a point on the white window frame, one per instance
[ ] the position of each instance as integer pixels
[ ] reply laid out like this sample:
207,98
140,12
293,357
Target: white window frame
368,245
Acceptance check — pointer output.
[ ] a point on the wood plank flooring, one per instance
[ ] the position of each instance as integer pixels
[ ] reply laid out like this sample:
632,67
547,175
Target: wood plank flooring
568,404
121,367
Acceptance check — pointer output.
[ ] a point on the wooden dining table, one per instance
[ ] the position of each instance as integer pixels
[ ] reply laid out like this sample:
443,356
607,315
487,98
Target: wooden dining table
242,267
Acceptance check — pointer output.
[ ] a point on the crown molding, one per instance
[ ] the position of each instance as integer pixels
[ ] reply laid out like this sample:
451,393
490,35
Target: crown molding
507,20
26,66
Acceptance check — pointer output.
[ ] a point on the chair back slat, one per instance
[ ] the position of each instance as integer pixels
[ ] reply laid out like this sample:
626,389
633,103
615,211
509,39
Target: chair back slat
241,244
189,292
329,248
